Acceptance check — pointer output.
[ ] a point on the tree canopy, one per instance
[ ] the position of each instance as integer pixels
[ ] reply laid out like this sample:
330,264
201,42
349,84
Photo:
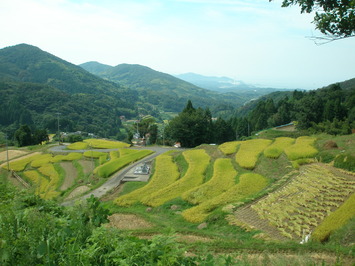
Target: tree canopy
334,18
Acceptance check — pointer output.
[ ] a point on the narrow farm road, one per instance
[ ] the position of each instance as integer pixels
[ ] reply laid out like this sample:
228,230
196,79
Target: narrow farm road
116,179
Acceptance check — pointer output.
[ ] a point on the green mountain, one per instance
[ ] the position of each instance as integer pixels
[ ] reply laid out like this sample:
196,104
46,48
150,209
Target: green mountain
164,91
35,86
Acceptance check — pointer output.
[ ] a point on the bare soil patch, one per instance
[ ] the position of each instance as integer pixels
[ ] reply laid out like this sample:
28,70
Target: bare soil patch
128,221
78,191
87,166
113,194
70,175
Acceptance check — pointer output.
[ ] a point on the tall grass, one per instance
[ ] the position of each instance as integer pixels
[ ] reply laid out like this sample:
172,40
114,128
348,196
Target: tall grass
249,184
166,172
78,146
278,146
303,148
249,152
106,144
198,161
113,166
223,178
229,147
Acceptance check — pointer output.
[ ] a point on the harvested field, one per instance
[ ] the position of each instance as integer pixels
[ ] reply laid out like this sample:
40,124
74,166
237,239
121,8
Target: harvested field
20,158
87,166
128,221
70,175
12,154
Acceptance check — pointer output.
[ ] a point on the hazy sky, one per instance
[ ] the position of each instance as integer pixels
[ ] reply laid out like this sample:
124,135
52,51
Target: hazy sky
254,41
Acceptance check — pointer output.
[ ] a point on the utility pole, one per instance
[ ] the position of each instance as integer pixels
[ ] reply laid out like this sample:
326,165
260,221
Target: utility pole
7,154
58,127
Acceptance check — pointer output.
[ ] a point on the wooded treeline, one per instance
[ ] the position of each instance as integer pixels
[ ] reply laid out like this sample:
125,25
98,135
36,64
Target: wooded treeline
330,110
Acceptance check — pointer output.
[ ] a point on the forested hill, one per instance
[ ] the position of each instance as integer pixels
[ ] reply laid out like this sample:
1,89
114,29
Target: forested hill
162,90
35,86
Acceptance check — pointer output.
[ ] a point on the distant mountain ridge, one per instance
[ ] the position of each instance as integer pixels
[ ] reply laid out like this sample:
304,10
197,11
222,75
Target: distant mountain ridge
162,90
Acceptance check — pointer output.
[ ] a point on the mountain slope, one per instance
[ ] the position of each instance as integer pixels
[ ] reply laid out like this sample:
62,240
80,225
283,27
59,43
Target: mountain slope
166,91
35,86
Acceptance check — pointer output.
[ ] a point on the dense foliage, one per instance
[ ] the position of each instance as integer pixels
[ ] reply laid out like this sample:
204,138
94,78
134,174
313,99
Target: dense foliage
35,86
330,110
335,19
193,127
34,231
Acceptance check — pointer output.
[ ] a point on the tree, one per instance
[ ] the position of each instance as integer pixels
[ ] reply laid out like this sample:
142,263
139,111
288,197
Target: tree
334,18
191,127
23,136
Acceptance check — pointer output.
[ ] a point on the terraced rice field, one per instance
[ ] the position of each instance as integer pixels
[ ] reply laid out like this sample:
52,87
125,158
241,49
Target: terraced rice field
298,208
166,172
198,161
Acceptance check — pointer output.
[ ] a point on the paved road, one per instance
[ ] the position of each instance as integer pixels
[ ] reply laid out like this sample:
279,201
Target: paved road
116,179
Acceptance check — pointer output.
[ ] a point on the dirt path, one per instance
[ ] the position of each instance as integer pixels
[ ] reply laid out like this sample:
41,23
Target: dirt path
70,175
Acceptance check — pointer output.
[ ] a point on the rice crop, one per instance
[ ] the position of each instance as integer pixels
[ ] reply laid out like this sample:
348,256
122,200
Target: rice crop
41,160
114,154
166,172
249,185
229,147
106,144
249,152
113,166
304,202
278,146
78,146
94,154
20,165
335,220
198,161
223,178
303,148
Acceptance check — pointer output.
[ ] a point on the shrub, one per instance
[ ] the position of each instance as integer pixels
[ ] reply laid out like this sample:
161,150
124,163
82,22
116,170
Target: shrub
198,161
303,148
112,166
335,220
229,147
345,161
249,152
277,148
106,144
166,172
78,146
223,178
249,184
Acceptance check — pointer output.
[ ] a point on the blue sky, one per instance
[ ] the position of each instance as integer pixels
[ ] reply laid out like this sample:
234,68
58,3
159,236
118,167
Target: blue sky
256,41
